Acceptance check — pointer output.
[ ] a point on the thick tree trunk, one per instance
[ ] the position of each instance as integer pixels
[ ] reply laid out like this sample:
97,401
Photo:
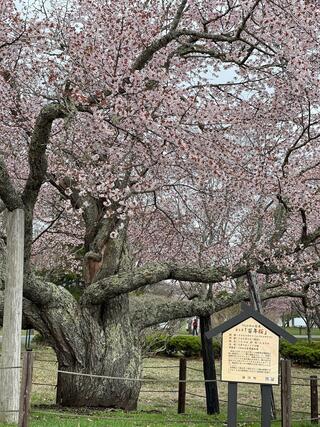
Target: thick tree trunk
108,346
78,391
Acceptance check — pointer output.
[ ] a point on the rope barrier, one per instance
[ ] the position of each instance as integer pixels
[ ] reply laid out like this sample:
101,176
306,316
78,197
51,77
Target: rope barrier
43,352
107,377
47,361
194,369
301,385
196,395
156,380
243,404
200,370
45,384
11,367
248,405
159,391
224,401
301,378
160,367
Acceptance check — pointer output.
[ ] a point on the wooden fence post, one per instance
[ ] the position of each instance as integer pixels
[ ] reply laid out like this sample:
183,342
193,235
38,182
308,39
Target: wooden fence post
182,385
26,385
12,319
58,392
314,399
286,393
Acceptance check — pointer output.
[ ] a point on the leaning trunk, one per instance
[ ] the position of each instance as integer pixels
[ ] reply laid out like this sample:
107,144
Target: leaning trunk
106,346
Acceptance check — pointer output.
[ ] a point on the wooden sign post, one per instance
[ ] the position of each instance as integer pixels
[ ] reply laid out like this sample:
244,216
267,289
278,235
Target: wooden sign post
12,319
250,354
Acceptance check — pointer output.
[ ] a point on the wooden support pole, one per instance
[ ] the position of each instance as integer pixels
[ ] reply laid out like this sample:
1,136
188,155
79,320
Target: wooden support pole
286,393
256,303
209,370
26,386
182,386
314,399
12,319
266,402
232,404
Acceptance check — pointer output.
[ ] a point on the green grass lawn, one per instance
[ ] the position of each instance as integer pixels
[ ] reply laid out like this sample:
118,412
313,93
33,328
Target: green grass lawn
123,419
158,401
302,331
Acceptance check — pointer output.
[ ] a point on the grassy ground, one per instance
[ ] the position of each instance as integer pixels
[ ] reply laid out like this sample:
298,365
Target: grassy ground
302,331
158,401
120,419
143,419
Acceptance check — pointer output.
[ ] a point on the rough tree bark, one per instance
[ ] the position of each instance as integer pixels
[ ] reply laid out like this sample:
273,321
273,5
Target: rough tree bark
110,348
99,334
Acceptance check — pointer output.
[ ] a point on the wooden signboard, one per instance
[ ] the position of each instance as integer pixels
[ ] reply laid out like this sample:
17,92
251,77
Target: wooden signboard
250,354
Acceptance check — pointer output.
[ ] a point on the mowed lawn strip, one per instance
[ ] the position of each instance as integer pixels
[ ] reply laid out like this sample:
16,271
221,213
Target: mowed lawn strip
158,400
296,330
122,419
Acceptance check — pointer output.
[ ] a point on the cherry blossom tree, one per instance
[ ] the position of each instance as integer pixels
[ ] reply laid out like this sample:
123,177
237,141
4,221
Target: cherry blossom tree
136,162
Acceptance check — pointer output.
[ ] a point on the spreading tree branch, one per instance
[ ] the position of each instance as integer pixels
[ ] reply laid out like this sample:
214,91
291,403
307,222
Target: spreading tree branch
126,282
123,283
150,314
174,34
37,150
31,318
162,42
38,166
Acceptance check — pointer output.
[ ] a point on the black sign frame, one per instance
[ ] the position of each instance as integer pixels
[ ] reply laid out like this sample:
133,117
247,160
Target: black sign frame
266,389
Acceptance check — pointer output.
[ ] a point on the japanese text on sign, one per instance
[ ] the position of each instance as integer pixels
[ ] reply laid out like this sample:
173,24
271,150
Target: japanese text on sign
250,353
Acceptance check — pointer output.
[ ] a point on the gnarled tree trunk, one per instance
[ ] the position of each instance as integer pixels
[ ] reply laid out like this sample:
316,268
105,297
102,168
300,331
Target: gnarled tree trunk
99,334
104,344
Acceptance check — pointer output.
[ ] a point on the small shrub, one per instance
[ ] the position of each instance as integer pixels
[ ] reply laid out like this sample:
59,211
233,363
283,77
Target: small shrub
302,353
156,343
38,339
186,345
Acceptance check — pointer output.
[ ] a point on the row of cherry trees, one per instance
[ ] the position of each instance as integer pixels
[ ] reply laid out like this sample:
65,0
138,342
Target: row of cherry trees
156,141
